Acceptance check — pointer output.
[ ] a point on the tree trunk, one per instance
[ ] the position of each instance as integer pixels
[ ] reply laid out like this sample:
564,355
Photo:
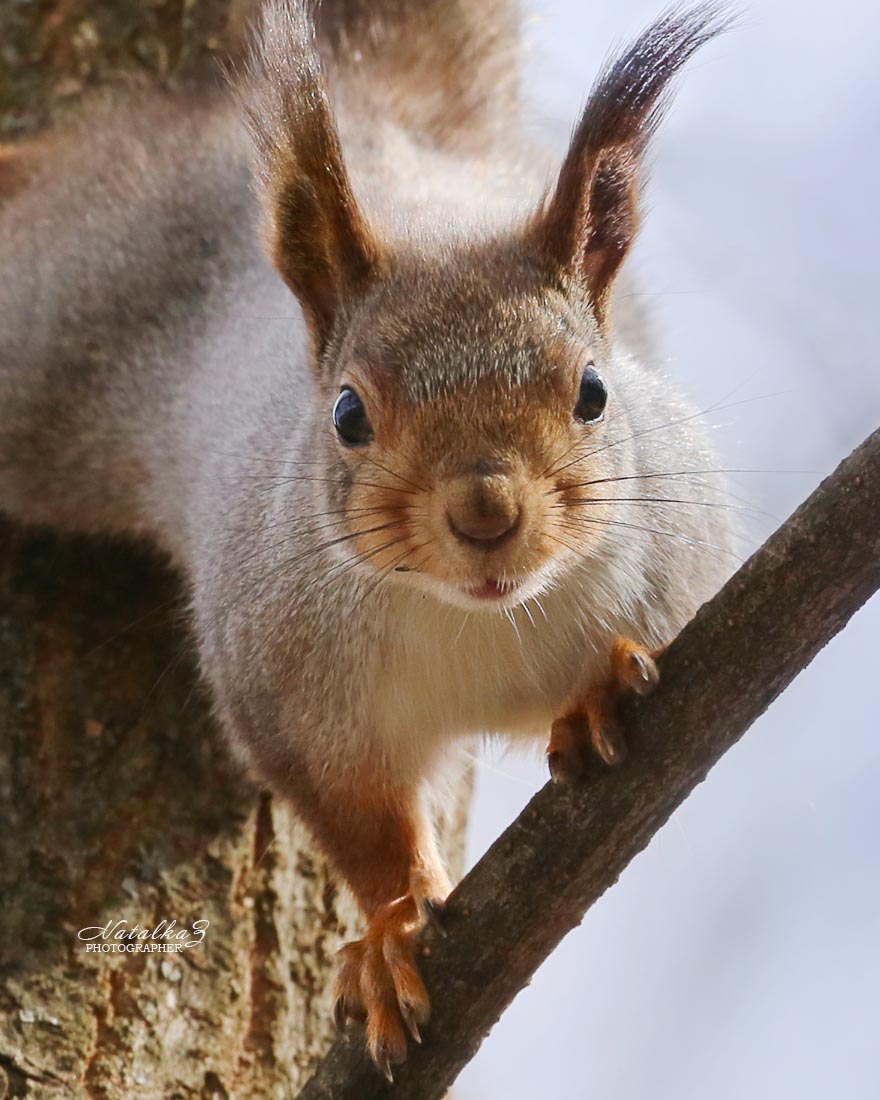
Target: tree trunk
119,802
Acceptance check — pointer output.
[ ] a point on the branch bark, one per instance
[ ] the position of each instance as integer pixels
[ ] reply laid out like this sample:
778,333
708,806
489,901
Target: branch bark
568,846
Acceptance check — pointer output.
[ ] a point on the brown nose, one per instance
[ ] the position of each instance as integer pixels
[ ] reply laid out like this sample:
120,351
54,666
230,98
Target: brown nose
483,511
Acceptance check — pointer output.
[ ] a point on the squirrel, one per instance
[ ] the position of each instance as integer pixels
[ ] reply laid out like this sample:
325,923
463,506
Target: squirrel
352,367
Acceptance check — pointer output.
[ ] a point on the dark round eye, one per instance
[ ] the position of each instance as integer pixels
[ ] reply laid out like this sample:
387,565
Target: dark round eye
591,397
350,419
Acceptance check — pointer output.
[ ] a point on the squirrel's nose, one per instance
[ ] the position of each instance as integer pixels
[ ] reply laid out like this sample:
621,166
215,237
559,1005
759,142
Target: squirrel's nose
483,512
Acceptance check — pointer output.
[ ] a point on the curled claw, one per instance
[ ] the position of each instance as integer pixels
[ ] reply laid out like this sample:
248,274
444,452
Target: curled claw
383,1065
556,765
565,753
386,1044
434,911
607,741
592,718
379,981
346,1014
647,675
411,1019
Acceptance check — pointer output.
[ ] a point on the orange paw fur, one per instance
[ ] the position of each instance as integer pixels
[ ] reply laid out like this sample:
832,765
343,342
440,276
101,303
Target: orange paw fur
379,983
591,721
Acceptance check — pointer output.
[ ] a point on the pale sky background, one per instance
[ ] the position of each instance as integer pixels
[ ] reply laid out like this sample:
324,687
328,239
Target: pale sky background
739,956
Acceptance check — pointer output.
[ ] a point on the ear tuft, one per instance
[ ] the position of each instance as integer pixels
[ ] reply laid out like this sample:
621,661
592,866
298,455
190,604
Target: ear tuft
592,216
315,233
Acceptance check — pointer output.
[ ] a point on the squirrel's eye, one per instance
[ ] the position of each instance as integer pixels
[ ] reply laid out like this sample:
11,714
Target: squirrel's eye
592,396
350,419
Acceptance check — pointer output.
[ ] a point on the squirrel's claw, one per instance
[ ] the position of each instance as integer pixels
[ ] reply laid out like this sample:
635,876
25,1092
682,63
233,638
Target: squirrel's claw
634,667
565,755
383,1065
606,735
410,1018
348,1003
434,910
378,981
591,719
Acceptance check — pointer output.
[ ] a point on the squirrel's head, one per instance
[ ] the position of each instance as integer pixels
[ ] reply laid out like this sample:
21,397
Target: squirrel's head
467,386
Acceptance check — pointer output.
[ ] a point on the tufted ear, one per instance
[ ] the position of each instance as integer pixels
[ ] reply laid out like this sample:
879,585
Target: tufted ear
590,220
315,233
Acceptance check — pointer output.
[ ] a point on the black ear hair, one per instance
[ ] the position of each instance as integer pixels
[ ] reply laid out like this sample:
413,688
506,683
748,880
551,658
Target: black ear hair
591,219
316,234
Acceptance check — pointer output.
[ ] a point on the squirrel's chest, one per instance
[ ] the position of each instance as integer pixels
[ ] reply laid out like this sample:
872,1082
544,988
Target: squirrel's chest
458,674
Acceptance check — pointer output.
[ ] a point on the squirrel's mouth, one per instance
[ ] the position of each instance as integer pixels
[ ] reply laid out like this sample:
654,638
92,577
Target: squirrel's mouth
493,594
492,589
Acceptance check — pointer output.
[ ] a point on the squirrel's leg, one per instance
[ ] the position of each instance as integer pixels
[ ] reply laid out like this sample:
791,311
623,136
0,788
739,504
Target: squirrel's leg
590,719
386,851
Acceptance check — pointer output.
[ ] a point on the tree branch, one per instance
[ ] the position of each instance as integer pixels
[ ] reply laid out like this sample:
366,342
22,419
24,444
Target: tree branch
568,846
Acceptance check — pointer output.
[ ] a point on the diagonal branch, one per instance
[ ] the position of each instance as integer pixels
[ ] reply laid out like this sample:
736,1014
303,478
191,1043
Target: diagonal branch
568,846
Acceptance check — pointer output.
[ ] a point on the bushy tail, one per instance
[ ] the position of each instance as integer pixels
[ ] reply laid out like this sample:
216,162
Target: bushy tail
447,69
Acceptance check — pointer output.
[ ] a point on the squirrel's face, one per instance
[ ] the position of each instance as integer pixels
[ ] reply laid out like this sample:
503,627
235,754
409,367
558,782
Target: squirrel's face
467,408
464,387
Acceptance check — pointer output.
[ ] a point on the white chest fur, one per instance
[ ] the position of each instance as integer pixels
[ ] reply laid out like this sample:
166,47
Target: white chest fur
447,672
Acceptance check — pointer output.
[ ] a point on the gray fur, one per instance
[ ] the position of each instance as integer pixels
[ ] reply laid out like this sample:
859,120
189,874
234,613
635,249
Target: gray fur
156,379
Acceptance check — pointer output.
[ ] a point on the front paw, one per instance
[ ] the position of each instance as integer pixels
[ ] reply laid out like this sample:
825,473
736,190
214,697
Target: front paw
379,983
591,721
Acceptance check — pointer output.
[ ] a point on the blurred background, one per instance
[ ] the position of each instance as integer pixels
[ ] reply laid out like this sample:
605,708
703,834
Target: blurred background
740,954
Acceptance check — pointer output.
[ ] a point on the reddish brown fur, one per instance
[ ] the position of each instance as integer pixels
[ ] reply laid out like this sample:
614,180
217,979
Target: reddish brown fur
590,721
418,504
466,335
435,478
18,165
469,356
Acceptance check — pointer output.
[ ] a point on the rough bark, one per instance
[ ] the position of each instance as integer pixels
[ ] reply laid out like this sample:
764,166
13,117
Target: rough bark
55,51
569,845
117,798
119,803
